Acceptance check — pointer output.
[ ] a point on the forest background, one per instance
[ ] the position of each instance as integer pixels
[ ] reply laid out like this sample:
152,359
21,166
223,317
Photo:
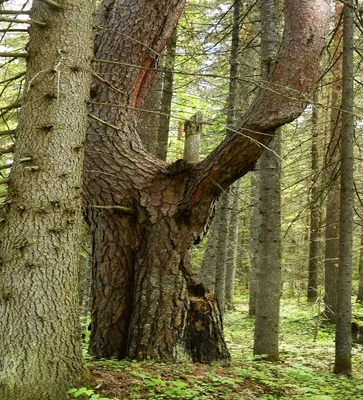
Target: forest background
199,66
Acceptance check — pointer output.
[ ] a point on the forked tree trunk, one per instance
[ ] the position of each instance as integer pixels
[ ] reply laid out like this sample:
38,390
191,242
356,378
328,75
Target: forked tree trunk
40,352
146,214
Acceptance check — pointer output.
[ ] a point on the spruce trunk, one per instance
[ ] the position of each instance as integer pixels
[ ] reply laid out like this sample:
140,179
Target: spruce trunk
39,305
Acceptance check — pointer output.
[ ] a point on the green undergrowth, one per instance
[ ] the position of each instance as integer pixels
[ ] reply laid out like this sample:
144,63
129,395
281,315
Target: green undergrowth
304,372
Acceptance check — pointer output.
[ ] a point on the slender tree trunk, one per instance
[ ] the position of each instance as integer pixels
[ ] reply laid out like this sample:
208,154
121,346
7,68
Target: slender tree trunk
233,71
148,123
333,174
40,356
343,338
269,268
207,274
315,207
147,213
232,238
167,95
221,257
360,287
222,214
231,258
254,233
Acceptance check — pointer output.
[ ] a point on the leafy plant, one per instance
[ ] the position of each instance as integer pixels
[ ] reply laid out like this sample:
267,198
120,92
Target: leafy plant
85,393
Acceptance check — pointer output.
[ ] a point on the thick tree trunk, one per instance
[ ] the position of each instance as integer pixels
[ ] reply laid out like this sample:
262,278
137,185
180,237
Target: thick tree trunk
40,356
112,287
165,208
343,337
333,174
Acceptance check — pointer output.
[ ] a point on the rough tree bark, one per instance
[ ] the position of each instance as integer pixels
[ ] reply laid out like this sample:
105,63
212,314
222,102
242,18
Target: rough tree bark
40,356
266,340
343,336
146,214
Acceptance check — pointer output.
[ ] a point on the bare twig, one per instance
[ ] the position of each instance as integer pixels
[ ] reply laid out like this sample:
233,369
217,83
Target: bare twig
22,21
13,55
103,122
14,12
13,30
52,4
6,166
11,106
7,133
106,82
4,181
13,78
9,149
123,209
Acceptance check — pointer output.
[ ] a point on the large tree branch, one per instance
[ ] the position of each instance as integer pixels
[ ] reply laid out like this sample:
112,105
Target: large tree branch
130,32
288,90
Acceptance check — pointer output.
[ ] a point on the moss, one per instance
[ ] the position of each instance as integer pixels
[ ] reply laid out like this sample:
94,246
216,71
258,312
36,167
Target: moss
87,379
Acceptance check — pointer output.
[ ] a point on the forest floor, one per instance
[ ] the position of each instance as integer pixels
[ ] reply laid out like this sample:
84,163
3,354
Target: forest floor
304,372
